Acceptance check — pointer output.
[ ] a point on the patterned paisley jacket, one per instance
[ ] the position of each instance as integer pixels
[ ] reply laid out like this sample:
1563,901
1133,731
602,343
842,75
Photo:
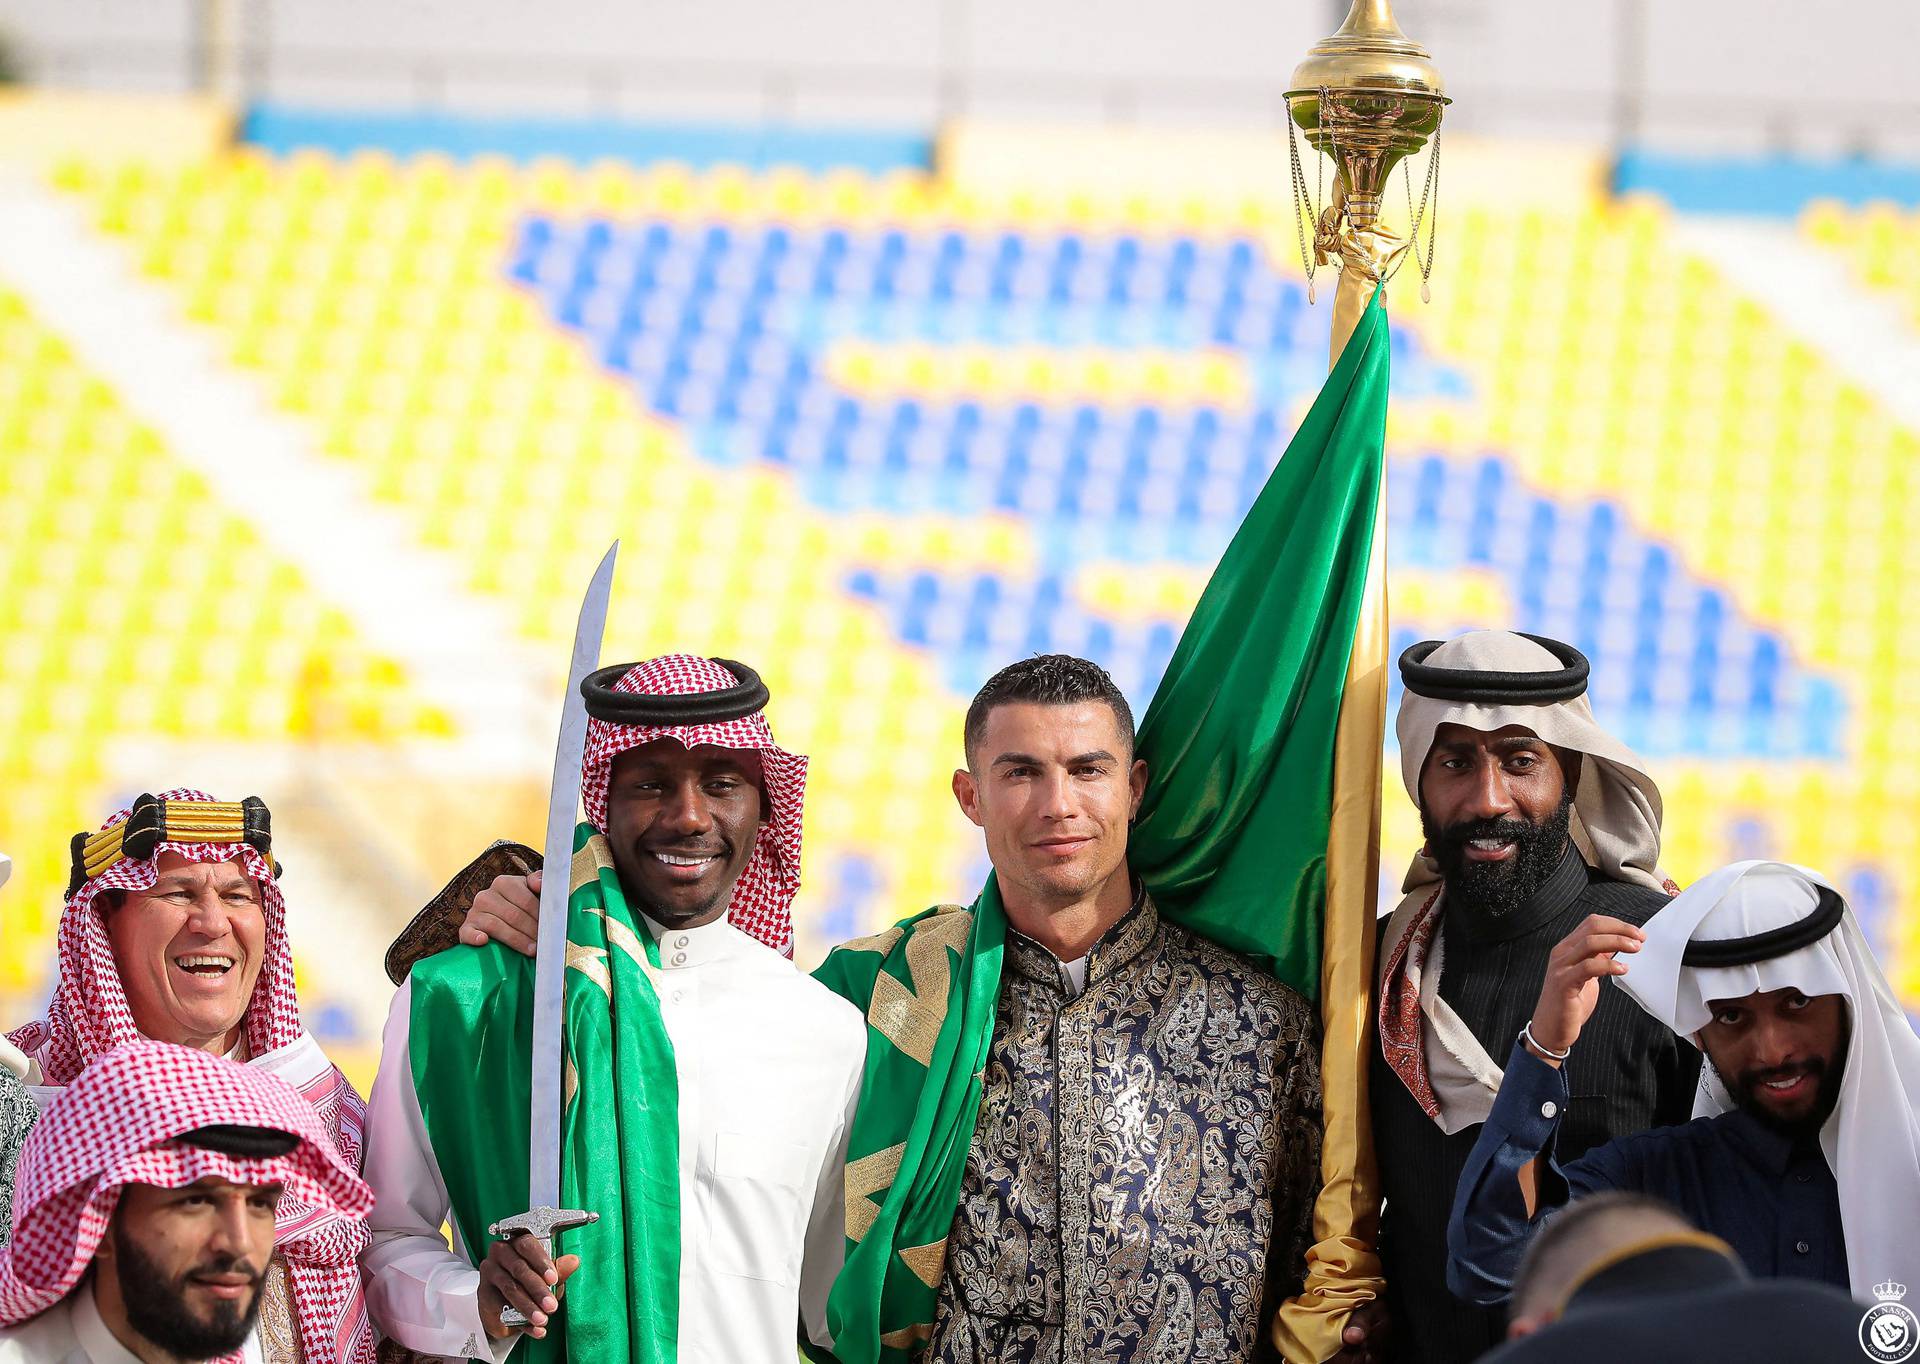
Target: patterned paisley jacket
1141,1181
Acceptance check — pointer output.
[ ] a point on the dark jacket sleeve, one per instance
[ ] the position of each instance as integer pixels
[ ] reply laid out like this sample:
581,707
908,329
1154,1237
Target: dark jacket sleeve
1488,1229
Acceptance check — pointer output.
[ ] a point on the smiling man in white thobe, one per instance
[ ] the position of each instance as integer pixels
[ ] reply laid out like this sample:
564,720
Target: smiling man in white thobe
709,1084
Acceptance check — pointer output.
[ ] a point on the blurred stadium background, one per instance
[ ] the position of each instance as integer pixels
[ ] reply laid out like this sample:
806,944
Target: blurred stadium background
896,342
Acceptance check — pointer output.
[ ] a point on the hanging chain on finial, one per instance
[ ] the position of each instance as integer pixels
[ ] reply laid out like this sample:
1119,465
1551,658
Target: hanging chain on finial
1305,210
1430,187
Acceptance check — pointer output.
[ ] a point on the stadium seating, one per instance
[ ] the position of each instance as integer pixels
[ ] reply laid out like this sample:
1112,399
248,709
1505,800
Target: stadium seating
135,604
1881,243
883,434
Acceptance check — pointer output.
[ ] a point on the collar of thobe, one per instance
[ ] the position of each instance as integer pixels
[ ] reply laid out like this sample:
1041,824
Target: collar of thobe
1548,901
90,1329
681,948
1768,1148
1118,946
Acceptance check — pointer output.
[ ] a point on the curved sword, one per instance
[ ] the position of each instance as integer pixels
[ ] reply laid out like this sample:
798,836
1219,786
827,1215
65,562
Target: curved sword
545,1216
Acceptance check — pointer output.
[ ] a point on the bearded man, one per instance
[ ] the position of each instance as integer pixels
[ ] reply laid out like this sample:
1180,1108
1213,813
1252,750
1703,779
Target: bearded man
709,1083
154,1193
1804,1155
1534,818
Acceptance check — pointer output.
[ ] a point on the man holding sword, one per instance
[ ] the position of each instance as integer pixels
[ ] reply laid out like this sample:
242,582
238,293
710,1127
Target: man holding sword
703,1086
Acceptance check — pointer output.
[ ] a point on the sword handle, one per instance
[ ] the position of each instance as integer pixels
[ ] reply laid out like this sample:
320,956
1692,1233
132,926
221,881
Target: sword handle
543,1224
509,1314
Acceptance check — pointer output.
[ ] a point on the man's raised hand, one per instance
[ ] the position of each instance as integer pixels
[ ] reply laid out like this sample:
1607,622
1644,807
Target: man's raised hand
518,1272
508,911
1571,990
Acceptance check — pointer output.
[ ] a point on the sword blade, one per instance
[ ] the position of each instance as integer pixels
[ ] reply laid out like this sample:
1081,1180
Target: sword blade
550,952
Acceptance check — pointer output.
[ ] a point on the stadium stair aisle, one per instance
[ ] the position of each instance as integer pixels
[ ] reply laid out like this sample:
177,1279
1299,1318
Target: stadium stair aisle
371,299
135,604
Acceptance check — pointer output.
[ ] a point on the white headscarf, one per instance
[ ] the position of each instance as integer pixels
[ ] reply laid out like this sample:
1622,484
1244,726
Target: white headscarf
1872,1139
1616,807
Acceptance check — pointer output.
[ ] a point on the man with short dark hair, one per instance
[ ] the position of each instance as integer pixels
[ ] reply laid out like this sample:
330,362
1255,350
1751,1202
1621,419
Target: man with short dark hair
1581,1239
1621,1276
153,1194
1534,818
1804,1155
1085,1131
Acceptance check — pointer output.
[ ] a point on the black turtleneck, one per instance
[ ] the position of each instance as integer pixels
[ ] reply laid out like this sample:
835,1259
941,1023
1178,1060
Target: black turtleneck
1629,1073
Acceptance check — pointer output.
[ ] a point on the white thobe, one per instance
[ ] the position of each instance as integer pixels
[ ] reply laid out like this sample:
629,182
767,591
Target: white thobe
72,1331
769,1063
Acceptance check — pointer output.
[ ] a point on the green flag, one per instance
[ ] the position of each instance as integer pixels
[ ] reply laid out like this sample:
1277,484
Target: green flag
471,1034
1231,840
1232,834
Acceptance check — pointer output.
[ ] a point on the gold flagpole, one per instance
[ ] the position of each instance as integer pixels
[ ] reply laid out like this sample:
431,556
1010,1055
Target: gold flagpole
1366,96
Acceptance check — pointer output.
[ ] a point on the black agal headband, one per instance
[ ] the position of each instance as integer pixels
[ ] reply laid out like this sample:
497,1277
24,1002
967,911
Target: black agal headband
1775,942
156,821
747,697
1541,688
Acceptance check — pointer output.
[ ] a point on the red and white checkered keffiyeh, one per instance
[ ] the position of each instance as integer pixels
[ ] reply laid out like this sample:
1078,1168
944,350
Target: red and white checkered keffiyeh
115,1125
89,1016
762,904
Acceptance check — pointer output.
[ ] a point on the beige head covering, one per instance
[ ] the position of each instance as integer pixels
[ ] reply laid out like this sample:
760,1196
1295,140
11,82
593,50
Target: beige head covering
1490,679
1616,807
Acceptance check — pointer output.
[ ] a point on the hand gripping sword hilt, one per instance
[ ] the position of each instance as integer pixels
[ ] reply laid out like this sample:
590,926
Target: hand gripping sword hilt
545,1224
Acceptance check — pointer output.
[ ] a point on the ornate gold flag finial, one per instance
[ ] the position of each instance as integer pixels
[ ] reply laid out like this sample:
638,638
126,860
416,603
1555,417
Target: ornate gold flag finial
1368,97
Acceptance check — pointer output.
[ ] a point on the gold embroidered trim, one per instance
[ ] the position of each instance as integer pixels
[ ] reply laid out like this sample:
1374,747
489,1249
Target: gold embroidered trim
867,1176
910,1018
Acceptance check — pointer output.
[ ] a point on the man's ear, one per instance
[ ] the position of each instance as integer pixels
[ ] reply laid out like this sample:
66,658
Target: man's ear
967,793
1137,781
